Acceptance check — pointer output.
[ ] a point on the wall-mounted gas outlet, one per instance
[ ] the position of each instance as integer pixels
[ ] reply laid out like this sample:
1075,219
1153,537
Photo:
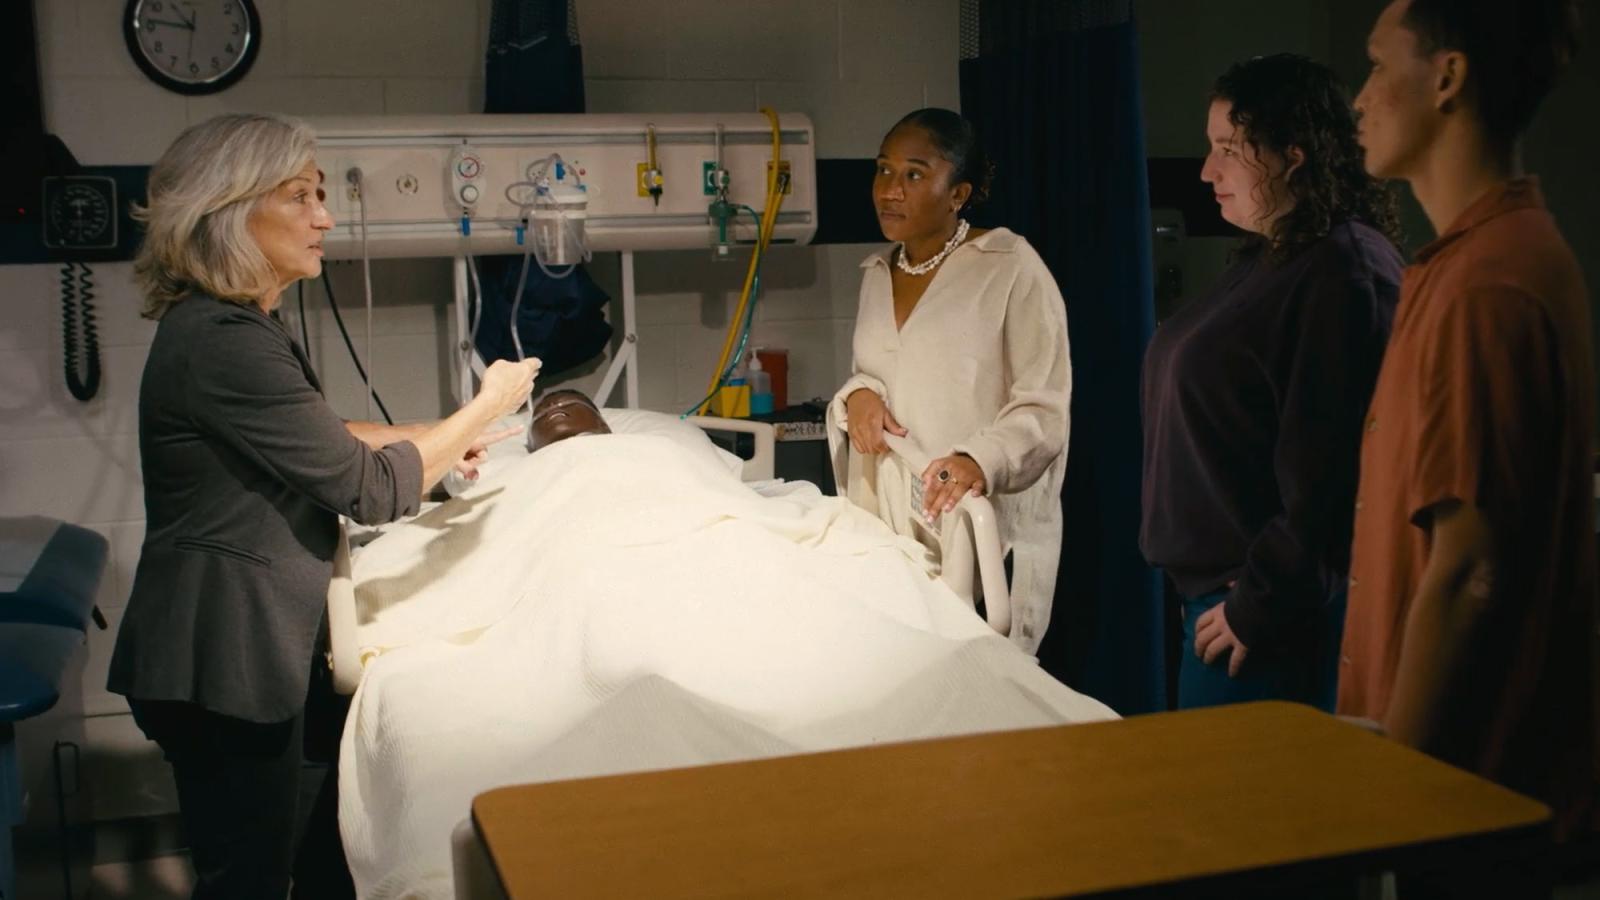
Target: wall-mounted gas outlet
466,173
783,169
407,184
649,181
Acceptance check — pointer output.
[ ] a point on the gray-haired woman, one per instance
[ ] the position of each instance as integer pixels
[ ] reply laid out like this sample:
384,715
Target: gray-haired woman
246,472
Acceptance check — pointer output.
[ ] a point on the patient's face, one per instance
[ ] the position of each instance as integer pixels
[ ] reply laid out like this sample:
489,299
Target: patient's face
562,415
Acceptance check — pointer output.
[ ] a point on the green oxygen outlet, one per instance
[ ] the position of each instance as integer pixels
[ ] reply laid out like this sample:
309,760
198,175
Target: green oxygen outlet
714,180
721,213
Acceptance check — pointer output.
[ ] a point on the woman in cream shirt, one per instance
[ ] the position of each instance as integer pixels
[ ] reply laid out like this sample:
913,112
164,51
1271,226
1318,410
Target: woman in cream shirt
960,357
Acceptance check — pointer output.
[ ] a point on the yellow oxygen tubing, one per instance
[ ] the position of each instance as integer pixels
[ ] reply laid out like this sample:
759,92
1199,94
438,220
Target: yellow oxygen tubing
769,217
769,220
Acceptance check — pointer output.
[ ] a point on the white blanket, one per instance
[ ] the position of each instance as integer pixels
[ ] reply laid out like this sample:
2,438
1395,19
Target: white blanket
613,604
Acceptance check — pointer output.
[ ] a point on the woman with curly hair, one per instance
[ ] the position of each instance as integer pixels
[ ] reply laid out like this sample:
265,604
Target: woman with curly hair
1254,393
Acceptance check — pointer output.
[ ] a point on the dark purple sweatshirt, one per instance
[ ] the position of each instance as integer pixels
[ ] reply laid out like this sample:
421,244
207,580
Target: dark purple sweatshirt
1253,398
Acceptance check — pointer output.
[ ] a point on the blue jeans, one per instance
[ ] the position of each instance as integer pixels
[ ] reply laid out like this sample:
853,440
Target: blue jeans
1304,672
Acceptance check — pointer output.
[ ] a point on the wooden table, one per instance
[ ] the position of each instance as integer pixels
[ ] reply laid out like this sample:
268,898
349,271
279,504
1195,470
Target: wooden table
1274,789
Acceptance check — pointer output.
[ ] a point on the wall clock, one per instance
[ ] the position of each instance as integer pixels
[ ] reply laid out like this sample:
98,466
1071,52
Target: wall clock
193,46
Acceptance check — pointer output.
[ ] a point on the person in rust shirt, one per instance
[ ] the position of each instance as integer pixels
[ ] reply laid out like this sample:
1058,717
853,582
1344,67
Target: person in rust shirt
1471,625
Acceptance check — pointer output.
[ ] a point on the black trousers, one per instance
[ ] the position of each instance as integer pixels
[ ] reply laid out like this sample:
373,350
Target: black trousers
240,796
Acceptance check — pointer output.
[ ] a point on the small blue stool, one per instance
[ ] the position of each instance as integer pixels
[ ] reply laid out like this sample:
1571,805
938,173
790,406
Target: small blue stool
49,573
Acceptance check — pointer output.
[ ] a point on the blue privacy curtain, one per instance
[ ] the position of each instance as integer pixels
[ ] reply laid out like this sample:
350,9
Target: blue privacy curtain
1053,88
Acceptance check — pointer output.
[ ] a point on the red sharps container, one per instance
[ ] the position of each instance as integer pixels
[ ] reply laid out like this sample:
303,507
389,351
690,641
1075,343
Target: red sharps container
776,364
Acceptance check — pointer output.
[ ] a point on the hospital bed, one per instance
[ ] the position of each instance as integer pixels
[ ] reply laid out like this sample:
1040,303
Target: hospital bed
974,570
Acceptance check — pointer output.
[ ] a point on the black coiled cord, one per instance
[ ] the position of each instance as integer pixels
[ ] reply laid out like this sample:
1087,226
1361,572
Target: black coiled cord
77,305
327,286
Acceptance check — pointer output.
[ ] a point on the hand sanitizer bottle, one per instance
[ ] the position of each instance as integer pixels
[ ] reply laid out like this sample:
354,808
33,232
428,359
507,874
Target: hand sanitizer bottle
760,388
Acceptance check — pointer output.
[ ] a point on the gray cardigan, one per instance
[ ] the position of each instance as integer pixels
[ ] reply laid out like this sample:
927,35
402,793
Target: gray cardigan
246,470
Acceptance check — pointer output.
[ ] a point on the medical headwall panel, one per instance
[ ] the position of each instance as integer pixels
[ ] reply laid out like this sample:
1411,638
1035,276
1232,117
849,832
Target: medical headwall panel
438,185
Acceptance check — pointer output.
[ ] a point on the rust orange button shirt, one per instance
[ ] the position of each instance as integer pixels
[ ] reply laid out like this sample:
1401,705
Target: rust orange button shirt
1486,396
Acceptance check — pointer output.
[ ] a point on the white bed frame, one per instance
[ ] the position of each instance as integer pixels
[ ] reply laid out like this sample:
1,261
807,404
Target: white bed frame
974,565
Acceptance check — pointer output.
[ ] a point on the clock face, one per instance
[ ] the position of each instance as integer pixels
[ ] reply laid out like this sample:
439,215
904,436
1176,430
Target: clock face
193,46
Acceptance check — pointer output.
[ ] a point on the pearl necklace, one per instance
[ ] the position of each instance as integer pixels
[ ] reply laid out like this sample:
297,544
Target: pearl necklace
928,265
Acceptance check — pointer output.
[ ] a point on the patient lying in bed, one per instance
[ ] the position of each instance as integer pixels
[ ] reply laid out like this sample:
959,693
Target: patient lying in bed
562,414
617,602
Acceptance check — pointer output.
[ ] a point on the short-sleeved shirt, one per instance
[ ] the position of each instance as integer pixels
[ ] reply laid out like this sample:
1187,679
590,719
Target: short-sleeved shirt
1486,397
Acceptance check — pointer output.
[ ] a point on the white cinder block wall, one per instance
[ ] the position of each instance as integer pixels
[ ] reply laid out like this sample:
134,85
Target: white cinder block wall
853,66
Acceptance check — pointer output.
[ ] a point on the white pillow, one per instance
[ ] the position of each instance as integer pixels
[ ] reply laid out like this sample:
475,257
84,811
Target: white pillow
622,421
667,425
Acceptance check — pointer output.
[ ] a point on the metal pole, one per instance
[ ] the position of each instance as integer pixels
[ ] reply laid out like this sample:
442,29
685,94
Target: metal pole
462,349
630,336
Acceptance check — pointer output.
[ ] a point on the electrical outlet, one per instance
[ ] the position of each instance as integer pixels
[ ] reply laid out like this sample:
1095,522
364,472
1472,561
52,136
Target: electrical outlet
783,169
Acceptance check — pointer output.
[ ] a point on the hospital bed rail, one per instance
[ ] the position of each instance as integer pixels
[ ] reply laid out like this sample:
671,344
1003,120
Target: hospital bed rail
976,563
973,561
759,467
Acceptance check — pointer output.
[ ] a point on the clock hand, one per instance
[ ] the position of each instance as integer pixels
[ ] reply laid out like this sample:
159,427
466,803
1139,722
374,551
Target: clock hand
193,17
184,25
